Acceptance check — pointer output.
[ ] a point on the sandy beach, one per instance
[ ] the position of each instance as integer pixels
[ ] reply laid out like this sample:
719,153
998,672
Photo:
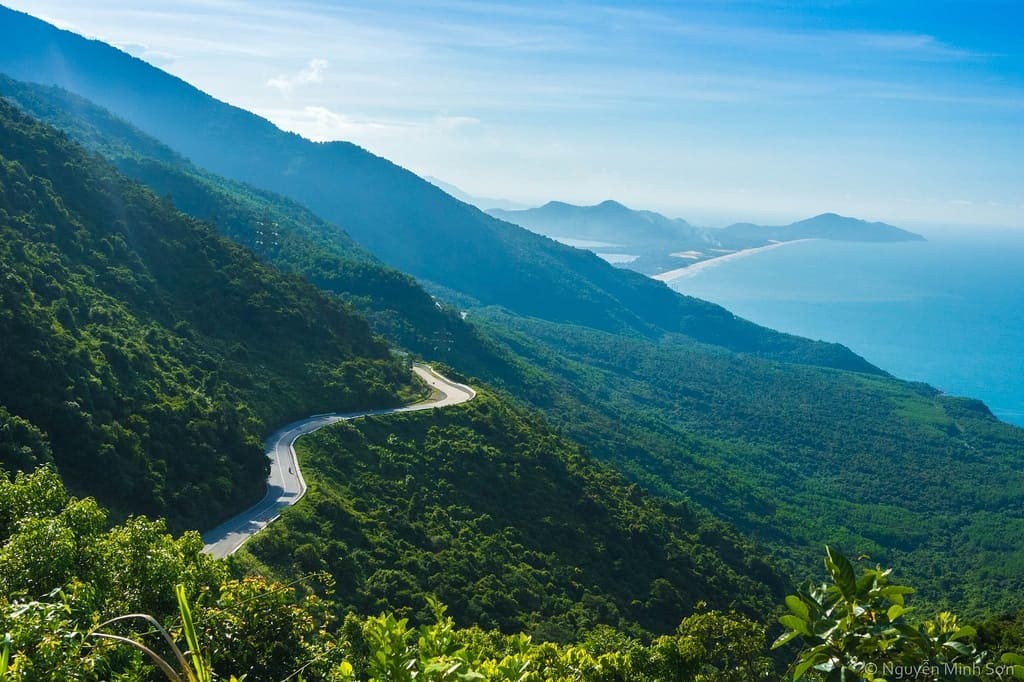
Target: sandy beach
691,270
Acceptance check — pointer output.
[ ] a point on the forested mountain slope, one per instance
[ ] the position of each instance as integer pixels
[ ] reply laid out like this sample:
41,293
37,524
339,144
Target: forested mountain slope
147,353
276,229
147,356
507,522
798,456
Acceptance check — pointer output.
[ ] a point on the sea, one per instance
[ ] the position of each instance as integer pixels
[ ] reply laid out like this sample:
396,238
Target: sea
948,311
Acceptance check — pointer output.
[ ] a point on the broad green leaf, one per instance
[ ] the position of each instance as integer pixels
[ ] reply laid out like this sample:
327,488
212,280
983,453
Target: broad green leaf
795,623
811,660
798,607
785,638
959,647
841,570
1015,660
965,632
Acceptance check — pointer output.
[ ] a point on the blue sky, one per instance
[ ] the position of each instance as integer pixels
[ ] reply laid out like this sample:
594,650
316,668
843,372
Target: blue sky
907,112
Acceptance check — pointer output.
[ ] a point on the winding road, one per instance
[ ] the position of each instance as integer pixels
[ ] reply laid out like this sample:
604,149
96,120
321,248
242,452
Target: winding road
285,485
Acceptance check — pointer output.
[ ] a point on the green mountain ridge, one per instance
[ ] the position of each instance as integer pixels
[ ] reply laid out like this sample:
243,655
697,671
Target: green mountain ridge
796,456
145,351
295,239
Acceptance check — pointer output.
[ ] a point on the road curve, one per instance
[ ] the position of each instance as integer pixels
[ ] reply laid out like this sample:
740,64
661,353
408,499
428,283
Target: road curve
285,485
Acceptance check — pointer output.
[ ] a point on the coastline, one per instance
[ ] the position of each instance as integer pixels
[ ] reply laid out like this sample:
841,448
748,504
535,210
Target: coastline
691,270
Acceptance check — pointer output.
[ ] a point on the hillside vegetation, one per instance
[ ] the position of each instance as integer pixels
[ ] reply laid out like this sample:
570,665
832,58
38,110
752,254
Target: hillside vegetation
89,579
511,525
796,456
146,355
275,229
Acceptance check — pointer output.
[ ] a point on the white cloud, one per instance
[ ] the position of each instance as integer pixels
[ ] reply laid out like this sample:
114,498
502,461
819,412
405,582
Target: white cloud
59,23
155,57
313,73
321,124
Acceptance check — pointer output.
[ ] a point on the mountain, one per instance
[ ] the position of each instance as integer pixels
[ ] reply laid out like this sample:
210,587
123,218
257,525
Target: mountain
403,219
144,356
824,226
278,230
608,222
483,203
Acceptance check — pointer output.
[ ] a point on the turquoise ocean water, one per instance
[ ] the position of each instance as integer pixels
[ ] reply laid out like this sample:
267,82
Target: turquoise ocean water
949,311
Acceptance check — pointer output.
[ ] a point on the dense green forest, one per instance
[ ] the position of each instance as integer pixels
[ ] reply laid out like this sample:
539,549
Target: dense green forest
511,525
797,456
144,354
275,229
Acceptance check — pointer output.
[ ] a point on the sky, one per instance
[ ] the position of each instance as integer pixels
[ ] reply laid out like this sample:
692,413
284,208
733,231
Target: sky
714,111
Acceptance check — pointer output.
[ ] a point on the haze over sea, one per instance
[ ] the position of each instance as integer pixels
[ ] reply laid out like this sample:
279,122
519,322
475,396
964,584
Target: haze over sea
949,311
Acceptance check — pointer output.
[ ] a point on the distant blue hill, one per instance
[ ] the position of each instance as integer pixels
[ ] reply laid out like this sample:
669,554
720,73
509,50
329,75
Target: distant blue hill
824,226
608,221
614,223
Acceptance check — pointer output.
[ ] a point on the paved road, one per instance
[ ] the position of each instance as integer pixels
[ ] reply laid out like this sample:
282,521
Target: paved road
285,485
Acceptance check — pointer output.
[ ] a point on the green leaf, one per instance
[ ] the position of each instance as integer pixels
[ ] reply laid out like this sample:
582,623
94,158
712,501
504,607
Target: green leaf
1015,660
894,593
959,647
912,633
965,632
895,611
5,655
806,663
798,607
797,624
841,570
785,638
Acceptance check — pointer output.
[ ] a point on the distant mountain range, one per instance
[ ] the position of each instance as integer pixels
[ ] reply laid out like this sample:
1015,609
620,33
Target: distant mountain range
483,203
654,242
608,221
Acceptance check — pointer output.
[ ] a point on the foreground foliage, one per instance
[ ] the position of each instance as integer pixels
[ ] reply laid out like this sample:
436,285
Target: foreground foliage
68,587
856,628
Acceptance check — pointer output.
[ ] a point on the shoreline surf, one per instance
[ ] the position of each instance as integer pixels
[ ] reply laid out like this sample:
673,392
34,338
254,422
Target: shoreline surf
694,268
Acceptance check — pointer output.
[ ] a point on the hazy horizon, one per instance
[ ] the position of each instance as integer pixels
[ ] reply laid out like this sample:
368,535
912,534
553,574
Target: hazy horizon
767,112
